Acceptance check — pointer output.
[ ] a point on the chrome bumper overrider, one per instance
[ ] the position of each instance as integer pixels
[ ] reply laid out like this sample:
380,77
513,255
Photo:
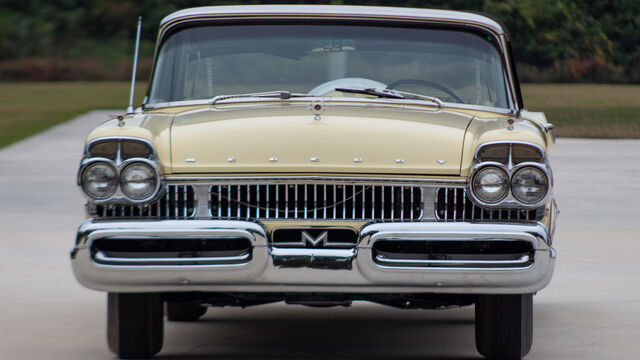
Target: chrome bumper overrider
270,269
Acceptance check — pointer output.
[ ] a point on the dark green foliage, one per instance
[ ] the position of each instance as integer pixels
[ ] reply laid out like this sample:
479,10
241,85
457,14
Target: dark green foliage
553,40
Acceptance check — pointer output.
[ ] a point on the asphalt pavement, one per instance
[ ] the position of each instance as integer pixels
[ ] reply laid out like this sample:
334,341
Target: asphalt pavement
591,309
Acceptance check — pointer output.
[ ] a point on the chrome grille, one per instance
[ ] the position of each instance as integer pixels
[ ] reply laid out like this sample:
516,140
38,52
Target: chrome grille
453,204
178,201
316,201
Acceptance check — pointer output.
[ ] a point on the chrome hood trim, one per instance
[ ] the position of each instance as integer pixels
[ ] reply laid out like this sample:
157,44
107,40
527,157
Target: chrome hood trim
414,104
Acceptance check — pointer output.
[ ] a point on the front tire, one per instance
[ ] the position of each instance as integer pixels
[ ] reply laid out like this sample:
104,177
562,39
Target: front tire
504,326
134,325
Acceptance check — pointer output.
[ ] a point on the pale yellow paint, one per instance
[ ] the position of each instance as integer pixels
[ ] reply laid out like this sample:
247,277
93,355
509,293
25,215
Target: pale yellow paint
482,131
252,133
155,127
390,141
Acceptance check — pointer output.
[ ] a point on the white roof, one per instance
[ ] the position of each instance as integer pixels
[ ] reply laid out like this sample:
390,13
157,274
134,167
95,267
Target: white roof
339,10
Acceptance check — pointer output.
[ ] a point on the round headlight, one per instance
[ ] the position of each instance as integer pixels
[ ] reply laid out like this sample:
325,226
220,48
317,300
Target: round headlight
529,185
138,181
490,184
99,180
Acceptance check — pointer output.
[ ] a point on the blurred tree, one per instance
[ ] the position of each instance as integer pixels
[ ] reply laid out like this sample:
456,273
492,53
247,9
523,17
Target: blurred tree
559,39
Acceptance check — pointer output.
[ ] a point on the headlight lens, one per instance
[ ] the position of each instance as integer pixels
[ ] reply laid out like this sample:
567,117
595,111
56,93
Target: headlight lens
490,184
138,181
529,185
99,180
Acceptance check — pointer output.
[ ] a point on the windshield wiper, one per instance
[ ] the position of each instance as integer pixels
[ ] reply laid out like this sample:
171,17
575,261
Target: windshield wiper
382,93
393,94
279,94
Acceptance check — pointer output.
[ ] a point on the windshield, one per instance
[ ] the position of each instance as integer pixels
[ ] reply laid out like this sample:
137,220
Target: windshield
203,62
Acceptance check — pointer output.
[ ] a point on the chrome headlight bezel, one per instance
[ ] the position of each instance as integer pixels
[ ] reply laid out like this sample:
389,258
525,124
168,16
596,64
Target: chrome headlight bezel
518,170
92,163
486,168
156,176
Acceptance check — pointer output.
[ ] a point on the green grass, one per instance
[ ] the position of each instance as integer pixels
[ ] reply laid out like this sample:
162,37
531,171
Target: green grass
28,108
577,110
587,110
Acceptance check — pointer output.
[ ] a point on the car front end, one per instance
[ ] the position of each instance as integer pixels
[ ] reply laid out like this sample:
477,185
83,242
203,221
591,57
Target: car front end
321,155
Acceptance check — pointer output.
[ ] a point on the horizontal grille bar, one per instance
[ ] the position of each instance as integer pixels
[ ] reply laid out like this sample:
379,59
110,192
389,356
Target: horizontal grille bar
316,201
453,204
177,202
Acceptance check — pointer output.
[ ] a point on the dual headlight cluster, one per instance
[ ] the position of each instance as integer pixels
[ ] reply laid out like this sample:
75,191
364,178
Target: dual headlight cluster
137,179
527,184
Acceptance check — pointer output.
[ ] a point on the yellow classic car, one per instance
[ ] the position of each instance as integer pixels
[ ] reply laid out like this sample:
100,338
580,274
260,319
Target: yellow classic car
320,155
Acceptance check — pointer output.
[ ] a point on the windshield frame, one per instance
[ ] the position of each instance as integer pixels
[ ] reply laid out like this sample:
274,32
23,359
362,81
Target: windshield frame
502,46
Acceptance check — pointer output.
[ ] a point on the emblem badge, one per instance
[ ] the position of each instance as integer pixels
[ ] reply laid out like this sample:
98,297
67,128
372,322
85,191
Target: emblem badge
308,239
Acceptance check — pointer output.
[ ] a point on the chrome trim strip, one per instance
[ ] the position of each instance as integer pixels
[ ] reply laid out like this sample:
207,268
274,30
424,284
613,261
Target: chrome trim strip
364,198
295,200
335,101
102,258
344,202
267,211
314,179
353,201
463,263
313,252
286,202
315,201
412,203
377,12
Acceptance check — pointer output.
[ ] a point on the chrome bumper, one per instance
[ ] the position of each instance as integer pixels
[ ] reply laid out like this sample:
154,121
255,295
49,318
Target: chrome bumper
269,269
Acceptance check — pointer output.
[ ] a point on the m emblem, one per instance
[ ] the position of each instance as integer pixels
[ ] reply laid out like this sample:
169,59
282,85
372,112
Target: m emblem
309,239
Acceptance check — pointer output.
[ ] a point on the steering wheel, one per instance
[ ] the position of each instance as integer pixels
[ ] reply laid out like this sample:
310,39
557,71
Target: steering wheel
330,86
428,83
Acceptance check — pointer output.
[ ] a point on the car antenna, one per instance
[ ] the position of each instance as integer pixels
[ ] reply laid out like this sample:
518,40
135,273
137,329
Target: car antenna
130,109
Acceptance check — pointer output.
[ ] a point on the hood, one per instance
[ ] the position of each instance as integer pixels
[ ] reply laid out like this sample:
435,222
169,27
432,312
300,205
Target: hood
345,139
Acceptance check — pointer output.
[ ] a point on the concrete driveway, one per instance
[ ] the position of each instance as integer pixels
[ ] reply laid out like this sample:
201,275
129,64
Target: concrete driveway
591,310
